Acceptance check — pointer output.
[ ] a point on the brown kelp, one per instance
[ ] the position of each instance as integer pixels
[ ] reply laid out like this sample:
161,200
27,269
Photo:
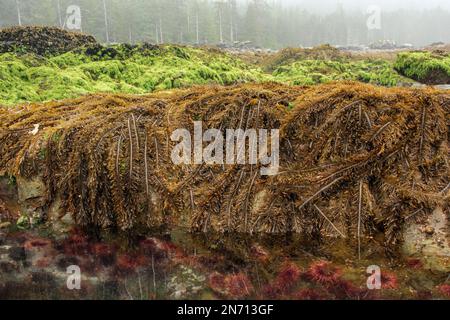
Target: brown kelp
356,160
42,40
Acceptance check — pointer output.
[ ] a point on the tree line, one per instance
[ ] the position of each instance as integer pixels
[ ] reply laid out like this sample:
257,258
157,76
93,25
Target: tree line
266,23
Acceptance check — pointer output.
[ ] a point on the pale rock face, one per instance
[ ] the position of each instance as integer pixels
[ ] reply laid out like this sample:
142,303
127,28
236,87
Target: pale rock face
30,189
430,241
54,212
31,198
7,189
58,220
30,195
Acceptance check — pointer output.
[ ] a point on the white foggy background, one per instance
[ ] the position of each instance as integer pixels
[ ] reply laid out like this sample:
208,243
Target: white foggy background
263,23
328,5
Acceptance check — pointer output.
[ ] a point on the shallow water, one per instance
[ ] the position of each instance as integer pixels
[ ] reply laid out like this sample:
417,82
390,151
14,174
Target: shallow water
179,265
438,86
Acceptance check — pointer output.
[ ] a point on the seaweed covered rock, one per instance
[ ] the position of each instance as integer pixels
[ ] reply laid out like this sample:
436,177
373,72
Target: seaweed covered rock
121,51
290,55
355,160
426,67
42,40
360,160
309,72
325,63
118,68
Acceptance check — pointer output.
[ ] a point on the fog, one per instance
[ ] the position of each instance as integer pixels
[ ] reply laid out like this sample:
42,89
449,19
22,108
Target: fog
264,23
328,5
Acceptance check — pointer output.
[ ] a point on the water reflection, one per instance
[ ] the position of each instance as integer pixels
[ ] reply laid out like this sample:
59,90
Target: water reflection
180,265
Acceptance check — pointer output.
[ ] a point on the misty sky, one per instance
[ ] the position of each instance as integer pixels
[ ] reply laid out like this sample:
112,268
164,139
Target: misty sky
330,5
283,23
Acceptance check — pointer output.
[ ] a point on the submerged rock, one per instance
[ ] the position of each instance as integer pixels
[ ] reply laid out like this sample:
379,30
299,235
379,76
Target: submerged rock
5,225
185,283
31,191
432,247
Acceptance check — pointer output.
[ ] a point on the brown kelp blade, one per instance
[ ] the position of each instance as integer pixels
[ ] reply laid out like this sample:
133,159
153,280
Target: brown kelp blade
355,159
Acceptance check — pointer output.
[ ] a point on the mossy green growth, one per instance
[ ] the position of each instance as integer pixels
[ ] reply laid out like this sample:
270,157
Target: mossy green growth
23,223
426,67
25,78
308,72
145,68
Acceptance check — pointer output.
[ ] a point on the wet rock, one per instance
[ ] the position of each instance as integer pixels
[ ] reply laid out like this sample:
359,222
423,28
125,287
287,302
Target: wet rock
110,289
428,230
64,262
68,220
31,198
43,281
8,187
39,251
8,267
63,224
5,225
155,247
429,241
5,249
32,190
185,283
105,254
17,254
5,215
59,221
3,209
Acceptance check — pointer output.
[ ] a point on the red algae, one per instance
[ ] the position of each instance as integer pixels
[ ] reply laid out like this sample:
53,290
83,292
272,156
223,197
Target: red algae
388,280
285,281
216,282
105,254
40,252
43,262
270,292
238,285
287,277
207,262
126,263
259,253
77,244
154,247
424,295
444,289
289,273
323,272
37,244
311,294
102,249
344,289
129,262
414,263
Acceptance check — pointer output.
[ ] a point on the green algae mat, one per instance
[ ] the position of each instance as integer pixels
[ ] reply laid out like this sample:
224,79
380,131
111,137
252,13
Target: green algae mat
425,67
30,78
39,64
